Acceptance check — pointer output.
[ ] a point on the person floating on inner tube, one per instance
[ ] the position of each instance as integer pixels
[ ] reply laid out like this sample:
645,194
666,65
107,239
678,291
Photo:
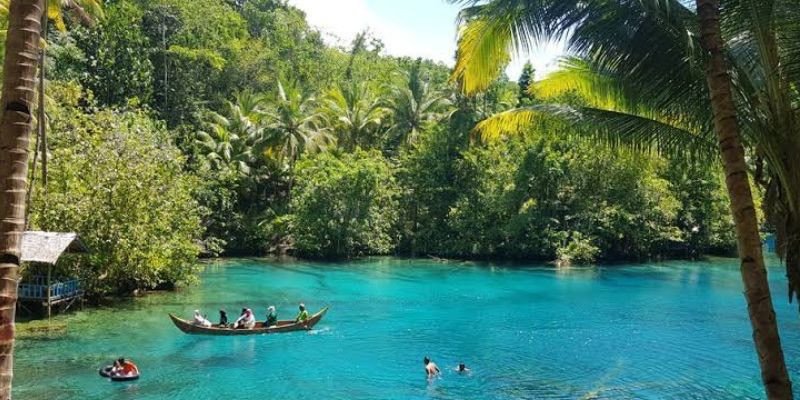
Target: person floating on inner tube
124,368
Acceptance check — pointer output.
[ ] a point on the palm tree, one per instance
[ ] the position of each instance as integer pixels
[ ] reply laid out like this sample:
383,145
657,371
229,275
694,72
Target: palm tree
246,115
413,105
293,125
643,71
224,150
86,11
754,274
233,141
18,103
353,114
359,45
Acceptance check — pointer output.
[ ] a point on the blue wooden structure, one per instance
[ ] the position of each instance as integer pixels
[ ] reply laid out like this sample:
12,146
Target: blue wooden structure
770,245
45,248
35,288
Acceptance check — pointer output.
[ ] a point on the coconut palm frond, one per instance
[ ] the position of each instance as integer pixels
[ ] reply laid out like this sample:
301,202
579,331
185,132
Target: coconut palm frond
610,127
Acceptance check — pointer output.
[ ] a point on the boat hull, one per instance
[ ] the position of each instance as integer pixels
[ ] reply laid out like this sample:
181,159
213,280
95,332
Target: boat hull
281,327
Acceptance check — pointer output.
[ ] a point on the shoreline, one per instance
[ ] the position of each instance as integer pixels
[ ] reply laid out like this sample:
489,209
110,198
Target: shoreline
116,303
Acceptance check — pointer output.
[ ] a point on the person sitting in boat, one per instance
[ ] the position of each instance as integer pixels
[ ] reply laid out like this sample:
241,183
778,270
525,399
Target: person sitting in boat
246,320
272,317
242,314
200,320
431,369
123,367
223,319
302,317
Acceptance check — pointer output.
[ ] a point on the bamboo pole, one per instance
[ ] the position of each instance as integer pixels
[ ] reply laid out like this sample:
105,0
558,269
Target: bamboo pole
49,302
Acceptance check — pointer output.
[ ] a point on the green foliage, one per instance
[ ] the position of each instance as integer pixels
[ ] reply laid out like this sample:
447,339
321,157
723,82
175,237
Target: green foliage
525,80
642,70
704,217
116,58
190,39
232,142
203,24
355,115
414,105
388,162
345,206
294,124
431,181
544,197
579,250
116,180
286,46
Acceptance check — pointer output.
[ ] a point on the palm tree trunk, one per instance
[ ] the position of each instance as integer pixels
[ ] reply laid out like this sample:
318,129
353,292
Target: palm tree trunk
754,274
791,251
18,98
41,115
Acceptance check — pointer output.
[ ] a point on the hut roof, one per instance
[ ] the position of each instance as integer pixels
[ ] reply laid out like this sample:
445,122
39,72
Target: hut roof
47,247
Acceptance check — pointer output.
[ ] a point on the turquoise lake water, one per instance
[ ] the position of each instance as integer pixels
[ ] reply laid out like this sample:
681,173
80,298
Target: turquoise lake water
659,331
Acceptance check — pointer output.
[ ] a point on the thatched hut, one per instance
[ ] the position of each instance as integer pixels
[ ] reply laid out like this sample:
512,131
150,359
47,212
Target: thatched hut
44,249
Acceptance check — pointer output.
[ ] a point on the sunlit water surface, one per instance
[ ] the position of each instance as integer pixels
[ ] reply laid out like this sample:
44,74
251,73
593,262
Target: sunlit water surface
658,331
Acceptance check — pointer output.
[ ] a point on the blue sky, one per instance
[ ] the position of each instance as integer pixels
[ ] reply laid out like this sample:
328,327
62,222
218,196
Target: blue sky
416,28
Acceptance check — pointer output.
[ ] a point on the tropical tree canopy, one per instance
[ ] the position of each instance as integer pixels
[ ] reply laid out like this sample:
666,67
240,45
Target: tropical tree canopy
294,124
414,105
638,68
354,114
657,73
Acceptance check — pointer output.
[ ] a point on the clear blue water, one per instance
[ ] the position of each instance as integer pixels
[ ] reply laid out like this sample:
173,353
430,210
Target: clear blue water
660,331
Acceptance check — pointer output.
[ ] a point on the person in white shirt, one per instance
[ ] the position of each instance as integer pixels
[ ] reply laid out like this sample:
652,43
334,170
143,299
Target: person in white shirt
200,320
246,321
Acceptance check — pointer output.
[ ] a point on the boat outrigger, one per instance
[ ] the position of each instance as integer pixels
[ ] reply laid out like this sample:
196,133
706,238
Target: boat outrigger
281,327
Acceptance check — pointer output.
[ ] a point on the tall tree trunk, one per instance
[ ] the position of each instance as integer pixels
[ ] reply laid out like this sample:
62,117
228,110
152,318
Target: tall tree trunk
754,274
42,116
791,252
18,98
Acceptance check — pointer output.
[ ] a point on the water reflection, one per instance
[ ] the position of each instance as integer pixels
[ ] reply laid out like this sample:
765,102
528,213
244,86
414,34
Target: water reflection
581,272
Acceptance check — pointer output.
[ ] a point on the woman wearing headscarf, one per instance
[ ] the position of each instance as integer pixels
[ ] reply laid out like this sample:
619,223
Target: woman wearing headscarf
246,320
272,317
200,320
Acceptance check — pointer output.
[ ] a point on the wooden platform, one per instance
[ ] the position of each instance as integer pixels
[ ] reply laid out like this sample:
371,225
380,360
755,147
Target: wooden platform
58,292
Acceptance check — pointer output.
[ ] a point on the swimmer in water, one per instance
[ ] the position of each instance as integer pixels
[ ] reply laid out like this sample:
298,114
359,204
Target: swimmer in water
431,369
462,369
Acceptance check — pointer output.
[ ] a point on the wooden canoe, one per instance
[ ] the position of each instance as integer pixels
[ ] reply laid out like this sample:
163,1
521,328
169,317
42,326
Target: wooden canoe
280,327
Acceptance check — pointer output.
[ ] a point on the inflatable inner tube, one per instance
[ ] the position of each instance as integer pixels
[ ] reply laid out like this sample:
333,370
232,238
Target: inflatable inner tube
124,378
105,372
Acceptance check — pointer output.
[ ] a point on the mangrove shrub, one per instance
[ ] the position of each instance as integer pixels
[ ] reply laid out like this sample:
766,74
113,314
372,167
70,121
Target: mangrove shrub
345,206
116,178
